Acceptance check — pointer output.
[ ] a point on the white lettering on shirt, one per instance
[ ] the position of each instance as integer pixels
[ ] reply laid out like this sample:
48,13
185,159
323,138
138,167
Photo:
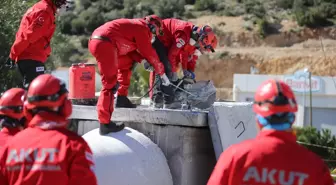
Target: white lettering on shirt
274,176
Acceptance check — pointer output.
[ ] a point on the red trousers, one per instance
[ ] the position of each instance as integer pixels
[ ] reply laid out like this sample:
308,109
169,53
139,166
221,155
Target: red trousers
124,74
112,68
106,54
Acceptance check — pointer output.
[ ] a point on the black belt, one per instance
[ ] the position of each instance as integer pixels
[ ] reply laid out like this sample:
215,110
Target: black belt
100,38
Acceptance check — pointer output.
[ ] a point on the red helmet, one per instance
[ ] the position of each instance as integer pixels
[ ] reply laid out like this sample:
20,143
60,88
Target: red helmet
155,24
274,97
47,92
207,39
11,103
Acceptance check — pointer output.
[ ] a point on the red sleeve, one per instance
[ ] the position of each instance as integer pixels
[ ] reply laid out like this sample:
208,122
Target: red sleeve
82,167
134,55
178,44
184,59
145,48
221,173
192,63
37,23
3,157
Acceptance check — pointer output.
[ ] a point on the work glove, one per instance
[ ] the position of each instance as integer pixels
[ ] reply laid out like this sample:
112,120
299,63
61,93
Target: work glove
174,77
148,67
188,74
164,79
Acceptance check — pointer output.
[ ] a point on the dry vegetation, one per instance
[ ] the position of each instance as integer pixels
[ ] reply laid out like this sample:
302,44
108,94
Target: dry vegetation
292,49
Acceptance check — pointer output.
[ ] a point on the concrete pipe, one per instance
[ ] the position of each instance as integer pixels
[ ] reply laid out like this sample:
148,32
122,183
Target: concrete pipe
128,157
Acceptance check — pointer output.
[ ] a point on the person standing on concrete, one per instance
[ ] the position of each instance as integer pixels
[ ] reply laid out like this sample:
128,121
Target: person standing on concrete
179,42
46,152
31,47
110,44
12,119
274,156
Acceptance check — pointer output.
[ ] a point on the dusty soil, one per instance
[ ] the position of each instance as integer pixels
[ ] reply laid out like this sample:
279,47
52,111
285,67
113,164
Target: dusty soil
280,53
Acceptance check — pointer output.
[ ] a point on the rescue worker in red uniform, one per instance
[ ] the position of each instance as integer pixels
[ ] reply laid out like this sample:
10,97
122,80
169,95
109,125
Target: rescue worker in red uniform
274,156
12,119
46,152
31,47
113,45
171,48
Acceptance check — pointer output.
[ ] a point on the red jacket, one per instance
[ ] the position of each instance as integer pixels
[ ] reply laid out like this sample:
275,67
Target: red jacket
35,32
187,58
272,158
131,35
176,37
46,156
6,134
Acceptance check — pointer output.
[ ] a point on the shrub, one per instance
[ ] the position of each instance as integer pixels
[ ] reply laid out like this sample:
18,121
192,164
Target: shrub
263,27
205,5
85,4
84,41
65,24
108,5
255,7
78,26
285,4
170,8
312,17
133,10
322,137
114,14
190,2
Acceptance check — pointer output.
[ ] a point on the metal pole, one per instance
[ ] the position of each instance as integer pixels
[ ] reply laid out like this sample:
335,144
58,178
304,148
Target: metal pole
311,101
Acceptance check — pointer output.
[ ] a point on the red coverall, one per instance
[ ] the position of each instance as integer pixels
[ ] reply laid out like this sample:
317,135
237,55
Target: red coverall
126,37
36,30
176,37
6,134
272,158
126,63
46,156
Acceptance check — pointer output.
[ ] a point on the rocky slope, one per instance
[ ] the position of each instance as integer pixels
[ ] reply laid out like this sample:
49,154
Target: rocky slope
293,48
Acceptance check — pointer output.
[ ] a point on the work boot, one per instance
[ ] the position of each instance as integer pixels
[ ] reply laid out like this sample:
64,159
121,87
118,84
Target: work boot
124,102
105,129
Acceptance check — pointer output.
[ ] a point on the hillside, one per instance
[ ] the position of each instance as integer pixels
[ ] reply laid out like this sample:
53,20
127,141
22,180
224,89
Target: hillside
281,53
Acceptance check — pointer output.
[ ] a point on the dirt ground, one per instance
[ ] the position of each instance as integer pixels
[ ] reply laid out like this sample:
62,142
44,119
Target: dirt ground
281,53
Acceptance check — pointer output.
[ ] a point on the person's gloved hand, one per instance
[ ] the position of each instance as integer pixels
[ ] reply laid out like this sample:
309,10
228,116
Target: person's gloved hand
148,67
174,77
164,79
188,74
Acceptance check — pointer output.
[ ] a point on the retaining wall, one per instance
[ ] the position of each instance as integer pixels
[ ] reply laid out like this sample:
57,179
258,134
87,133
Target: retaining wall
183,136
190,140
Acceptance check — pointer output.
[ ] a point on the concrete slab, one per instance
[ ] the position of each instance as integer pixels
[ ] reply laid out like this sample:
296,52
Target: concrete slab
231,123
146,115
